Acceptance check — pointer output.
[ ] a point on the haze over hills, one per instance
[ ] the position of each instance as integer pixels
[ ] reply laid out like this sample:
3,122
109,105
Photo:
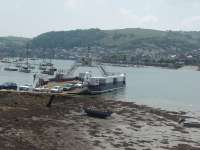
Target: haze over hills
127,40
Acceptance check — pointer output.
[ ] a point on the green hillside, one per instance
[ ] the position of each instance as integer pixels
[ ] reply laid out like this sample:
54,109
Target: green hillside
69,39
130,39
13,42
12,46
120,39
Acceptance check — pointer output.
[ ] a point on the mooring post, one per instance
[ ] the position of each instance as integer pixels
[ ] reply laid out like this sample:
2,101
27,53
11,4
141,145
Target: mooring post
50,100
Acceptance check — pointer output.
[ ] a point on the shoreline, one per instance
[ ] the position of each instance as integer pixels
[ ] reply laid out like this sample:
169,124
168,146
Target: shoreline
26,123
184,67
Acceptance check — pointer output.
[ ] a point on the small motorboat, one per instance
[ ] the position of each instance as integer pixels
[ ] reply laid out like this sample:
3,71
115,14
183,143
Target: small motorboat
190,122
97,113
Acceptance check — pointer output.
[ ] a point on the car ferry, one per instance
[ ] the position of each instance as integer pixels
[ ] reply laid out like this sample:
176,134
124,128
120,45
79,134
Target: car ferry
102,84
90,84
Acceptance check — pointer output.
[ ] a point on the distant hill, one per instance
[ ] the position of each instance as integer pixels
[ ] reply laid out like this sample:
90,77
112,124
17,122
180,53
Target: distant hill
121,39
12,41
127,40
69,39
12,45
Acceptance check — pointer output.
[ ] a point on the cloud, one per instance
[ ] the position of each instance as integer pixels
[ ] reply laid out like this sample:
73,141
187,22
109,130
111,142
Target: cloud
191,23
125,11
149,19
17,5
193,19
71,4
139,19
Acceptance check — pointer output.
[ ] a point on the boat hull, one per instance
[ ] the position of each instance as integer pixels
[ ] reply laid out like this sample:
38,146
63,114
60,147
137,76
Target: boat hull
109,87
10,69
25,71
97,114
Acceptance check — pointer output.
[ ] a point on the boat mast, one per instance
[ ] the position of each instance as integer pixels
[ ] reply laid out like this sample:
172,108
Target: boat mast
27,47
50,55
43,55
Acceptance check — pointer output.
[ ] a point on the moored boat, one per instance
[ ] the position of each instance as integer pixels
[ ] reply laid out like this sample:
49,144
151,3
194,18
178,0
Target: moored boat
189,122
10,69
25,70
97,113
98,85
8,86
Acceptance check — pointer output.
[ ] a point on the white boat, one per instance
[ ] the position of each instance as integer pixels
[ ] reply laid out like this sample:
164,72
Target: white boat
102,84
24,69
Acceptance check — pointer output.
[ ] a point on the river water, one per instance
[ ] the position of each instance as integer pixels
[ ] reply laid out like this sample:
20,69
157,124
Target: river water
157,87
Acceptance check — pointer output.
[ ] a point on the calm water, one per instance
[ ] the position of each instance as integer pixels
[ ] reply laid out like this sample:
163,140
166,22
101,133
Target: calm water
165,88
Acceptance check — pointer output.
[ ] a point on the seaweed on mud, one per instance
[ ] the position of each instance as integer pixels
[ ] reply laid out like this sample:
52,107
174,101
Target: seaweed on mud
26,119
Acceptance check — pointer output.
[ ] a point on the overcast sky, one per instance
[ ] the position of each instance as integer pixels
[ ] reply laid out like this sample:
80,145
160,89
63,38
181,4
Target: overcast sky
32,17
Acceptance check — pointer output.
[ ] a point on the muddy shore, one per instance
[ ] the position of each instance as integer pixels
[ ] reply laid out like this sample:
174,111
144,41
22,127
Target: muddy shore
26,123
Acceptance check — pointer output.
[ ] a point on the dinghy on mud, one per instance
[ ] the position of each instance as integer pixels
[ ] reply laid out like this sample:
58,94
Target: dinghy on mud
97,113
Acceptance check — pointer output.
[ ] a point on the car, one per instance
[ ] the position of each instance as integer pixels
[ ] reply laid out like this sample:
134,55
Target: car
78,85
8,86
26,87
56,89
41,89
68,87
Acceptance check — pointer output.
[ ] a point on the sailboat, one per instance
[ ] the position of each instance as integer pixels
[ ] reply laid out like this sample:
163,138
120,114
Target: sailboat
25,68
10,67
48,67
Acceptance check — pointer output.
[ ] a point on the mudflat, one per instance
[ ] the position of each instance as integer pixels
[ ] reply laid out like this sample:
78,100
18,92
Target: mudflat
27,123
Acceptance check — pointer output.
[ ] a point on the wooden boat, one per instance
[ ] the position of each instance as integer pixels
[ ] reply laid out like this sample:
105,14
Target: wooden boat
97,113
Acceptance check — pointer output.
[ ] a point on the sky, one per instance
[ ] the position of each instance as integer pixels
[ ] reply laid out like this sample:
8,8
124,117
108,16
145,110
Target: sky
29,18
